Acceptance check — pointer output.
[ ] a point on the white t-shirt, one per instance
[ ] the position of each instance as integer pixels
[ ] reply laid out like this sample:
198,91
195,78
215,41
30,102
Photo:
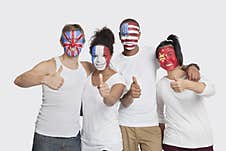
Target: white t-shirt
101,129
143,65
59,114
185,116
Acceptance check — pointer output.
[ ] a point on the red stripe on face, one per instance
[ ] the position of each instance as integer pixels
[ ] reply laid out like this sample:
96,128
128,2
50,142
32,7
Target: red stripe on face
107,55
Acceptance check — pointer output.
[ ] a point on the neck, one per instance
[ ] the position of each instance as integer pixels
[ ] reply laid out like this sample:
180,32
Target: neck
70,61
178,72
131,52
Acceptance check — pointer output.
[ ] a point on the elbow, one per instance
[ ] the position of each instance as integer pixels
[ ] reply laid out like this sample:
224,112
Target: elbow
109,103
18,82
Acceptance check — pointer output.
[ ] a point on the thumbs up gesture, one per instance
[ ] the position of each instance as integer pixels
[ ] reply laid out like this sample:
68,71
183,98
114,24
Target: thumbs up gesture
178,85
55,80
135,90
103,87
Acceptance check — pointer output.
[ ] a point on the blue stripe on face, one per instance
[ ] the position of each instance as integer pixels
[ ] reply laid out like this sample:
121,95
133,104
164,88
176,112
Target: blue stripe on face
124,29
77,34
93,53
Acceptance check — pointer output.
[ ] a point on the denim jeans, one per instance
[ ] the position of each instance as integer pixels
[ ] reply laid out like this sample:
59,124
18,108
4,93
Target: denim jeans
47,143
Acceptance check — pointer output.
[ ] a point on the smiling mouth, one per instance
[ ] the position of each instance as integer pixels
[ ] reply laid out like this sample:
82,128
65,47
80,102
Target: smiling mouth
100,64
169,64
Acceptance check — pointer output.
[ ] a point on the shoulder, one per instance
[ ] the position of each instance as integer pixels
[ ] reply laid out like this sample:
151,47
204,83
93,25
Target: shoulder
48,66
162,82
89,68
117,78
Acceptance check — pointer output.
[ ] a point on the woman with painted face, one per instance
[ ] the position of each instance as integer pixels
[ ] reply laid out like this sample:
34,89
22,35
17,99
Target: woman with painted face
62,79
180,103
100,98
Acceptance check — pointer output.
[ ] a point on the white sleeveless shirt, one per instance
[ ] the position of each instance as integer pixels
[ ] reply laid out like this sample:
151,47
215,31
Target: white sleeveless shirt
59,114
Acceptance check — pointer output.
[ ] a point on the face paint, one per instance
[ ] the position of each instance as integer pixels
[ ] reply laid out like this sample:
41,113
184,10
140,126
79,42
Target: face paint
101,57
167,58
72,42
129,33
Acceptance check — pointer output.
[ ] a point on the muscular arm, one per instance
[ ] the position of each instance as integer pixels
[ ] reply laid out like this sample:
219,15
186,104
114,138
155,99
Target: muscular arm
36,76
88,67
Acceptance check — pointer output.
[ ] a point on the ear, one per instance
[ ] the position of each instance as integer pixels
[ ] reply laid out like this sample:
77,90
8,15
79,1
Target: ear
139,35
119,36
61,43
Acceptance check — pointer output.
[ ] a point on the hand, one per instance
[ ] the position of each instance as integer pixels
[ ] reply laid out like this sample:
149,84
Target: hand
178,85
54,81
193,73
103,87
135,90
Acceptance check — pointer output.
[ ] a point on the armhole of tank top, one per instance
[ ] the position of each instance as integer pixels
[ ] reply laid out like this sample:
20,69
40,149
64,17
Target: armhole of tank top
58,63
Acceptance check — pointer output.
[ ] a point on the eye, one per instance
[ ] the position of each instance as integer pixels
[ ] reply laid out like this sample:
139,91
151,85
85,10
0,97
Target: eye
170,53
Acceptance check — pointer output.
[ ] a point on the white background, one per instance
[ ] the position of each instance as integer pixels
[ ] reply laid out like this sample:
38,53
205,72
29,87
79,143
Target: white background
30,32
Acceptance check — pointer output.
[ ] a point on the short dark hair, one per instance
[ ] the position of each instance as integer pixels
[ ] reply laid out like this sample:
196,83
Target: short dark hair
172,40
104,37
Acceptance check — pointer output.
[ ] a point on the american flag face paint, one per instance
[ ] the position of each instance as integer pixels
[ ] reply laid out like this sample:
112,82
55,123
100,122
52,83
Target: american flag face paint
101,57
167,58
72,42
129,33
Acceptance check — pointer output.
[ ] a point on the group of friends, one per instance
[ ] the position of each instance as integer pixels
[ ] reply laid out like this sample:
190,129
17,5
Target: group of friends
122,106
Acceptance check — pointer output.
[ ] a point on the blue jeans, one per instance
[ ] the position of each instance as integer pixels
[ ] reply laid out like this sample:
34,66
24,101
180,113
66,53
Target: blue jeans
47,143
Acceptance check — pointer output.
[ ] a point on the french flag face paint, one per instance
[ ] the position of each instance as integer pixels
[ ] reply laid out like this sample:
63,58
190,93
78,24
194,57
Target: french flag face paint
72,42
129,33
167,58
101,57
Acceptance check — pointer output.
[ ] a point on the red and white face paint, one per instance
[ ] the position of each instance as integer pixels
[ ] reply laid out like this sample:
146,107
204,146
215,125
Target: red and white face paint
101,57
129,33
167,58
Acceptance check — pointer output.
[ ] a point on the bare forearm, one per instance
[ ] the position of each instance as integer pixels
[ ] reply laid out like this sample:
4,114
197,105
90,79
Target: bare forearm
197,87
27,80
127,100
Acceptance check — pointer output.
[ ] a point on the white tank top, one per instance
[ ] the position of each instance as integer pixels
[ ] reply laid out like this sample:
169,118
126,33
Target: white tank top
59,114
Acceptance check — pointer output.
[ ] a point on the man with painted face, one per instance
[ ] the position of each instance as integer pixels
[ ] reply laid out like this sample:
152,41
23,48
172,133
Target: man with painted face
62,79
185,115
100,98
138,112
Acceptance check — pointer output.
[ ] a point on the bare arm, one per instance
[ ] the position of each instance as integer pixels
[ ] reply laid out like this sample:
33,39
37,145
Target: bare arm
134,92
88,67
42,73
114,95
33,77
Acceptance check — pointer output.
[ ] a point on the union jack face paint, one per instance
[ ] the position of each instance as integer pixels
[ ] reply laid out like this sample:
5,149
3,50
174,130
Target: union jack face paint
101,57
72,42
129,33
167,58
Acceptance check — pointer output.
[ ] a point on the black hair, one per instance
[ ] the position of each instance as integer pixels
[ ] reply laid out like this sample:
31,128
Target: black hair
129,20
104,37
172,40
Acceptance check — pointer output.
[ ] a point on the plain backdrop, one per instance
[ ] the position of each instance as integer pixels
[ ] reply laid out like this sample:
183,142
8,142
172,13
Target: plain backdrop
30,32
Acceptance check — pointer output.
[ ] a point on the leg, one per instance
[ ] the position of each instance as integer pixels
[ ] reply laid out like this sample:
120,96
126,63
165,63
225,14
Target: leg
149,138
129,139
45,143
73,143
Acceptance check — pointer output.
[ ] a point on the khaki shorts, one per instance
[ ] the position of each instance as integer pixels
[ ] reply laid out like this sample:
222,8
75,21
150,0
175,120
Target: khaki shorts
147,138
